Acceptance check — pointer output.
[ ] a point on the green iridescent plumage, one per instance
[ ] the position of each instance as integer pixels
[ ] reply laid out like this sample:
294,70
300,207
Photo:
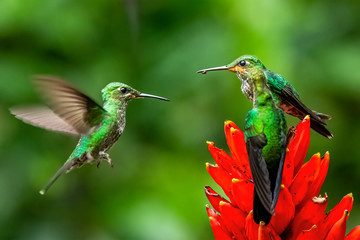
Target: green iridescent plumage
284,94
265,137
75,113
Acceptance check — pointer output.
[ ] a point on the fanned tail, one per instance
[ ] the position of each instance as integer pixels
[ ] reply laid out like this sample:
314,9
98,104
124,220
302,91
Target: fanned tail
67,165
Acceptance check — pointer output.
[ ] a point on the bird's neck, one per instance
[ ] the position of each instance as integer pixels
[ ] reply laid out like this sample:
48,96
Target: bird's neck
116,108
261,93
117,112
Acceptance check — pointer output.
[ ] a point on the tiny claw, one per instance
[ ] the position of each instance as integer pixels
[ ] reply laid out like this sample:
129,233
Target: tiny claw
109,162
291,134
105,156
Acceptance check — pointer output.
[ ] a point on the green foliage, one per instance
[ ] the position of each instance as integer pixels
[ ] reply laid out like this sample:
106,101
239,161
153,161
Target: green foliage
155,190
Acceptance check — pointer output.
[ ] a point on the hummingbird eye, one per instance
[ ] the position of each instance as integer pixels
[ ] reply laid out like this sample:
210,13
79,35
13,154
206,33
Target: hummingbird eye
123,90
242,63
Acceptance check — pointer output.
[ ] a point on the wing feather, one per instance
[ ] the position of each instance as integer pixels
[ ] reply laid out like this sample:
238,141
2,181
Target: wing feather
72,105
43,117
254,145
291,104
280,170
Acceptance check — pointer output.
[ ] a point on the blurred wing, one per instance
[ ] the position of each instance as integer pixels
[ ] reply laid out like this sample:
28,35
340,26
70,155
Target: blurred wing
43,117
254,145
75,107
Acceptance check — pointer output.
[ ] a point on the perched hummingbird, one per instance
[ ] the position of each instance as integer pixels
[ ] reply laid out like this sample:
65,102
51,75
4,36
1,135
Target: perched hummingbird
282,91
73,112
265,137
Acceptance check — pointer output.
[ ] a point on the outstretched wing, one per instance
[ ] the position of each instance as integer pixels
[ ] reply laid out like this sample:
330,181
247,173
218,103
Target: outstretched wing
259,171
43,117
70,104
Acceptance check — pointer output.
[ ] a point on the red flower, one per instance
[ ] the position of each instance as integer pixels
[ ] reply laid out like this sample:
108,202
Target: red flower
299,213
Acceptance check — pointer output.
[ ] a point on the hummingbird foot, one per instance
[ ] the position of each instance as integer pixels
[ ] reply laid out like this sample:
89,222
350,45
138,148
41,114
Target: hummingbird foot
105,156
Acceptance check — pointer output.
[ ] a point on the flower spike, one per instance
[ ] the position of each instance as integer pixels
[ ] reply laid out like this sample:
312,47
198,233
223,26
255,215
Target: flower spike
299,213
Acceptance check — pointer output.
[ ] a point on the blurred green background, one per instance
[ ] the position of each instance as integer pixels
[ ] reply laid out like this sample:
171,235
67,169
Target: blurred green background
155,190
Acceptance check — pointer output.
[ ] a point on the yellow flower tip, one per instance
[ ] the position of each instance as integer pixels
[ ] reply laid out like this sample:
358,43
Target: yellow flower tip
233,130
282,186
212,218
307,118
317,154
209,165
314,226
235,180
287,149
210,143
351,195
221,203
262,223
228,122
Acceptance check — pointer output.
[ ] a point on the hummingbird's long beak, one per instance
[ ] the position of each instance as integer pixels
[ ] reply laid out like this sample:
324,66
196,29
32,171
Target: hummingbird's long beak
204,71
144,95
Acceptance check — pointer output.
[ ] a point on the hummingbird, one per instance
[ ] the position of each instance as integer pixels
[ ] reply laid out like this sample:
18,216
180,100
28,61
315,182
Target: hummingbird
73,112
266,141
283,93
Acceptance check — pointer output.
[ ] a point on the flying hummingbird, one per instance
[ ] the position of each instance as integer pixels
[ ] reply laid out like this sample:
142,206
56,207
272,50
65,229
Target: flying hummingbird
73,112
283,92
265,137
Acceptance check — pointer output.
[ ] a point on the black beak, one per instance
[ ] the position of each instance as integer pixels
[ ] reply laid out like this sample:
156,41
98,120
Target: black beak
204,71
144,95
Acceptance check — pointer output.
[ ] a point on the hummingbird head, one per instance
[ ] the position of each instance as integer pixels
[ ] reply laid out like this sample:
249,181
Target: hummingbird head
124,93
244,67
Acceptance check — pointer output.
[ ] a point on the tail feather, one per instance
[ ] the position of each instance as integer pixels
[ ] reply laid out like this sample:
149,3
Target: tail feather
67,165
320,128
259,211
322,116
